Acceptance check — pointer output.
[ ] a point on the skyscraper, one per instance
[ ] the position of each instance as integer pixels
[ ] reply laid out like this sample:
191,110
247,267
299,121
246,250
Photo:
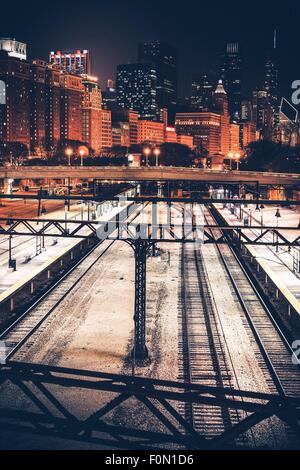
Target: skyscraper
136,89
272,84
71,95
76,62
91,113
231,74
221,107
202,93
15,107
164,58
37,104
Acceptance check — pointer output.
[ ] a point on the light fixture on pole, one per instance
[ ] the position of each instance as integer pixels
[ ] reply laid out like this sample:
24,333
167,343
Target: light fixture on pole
147,153
277,215
69,153
156,153
237,157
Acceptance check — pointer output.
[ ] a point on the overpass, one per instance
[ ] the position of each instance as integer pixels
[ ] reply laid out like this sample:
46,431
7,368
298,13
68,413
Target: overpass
148,174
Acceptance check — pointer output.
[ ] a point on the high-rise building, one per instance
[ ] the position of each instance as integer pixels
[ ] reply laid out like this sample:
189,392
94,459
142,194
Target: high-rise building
91,113
262,114
248,133
151,132
136,89
202,93
221,107
121,134
272,85
246,111
106,129
37,105
74,62
204,127
14,48
164,59
71,95
109,96
234,144
15,107
170,134
231,74
52,107
130,117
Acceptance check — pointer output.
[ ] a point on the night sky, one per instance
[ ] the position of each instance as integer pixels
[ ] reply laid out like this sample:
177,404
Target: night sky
112,29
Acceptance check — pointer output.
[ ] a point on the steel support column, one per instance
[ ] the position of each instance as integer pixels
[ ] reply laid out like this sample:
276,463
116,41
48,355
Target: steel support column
140,351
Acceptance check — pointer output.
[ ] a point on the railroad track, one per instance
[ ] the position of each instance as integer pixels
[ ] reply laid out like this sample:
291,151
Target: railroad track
18,334
203,358
281,374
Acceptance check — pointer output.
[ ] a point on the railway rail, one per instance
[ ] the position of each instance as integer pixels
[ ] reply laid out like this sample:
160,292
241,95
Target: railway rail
269,336
18,334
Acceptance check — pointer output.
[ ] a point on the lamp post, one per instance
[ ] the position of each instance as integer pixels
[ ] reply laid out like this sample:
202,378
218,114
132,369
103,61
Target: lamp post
69,153
81,153
156,153
261,207
147,153
277,215
66,215
43,212
11,262
237,156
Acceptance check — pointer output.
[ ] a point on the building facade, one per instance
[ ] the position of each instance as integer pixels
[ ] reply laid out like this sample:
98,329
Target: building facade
37,106
202,93
164,58
14,48
203,127
74,62
71,97
231,74
151,132
15,107
91,113
105,129
136,89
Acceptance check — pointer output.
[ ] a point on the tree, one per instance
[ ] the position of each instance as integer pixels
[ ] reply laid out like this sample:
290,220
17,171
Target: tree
173,154
267,156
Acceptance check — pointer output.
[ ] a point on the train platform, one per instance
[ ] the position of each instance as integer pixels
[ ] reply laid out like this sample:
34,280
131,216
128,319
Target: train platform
30,262
280,264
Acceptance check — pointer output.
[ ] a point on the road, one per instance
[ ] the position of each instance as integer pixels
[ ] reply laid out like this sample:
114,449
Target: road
148,173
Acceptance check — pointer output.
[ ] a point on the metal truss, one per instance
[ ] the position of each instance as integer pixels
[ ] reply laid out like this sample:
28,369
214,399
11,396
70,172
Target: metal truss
141,250
45,390
183,233
155,199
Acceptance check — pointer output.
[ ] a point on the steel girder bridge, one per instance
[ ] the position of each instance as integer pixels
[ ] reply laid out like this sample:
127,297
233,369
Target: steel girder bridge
143,237
47,413
50,416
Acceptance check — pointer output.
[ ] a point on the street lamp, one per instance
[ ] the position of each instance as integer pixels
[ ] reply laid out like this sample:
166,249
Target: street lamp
261,207
81,153
277,215
237,156
11,262
147,153
66,215
43,212
69,153
156,153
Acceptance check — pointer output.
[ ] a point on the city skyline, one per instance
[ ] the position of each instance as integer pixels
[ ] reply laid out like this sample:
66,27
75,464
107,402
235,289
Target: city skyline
113,36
